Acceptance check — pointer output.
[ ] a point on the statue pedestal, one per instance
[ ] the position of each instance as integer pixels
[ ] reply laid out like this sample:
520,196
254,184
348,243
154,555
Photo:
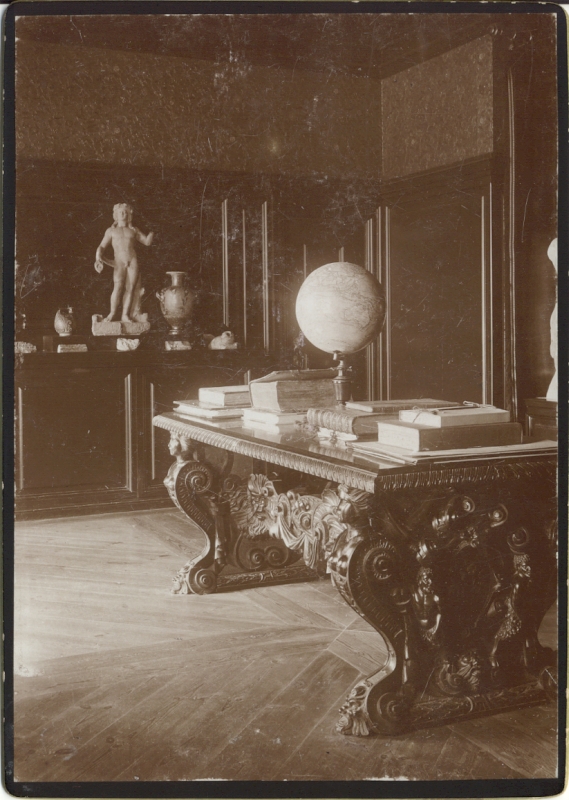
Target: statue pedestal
101,327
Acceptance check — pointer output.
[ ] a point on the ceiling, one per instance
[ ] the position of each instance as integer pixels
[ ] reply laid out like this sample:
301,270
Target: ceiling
368,44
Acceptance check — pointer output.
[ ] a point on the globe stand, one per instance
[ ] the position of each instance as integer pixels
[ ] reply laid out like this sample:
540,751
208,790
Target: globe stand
342,382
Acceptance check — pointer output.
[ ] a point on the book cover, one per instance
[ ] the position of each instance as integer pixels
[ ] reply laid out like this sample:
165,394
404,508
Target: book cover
224,396
196,409
416,438
268,417
395,406
346,420
456,417
291,395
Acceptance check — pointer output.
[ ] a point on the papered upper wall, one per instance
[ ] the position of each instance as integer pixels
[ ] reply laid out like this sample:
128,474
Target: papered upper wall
107,106
439,112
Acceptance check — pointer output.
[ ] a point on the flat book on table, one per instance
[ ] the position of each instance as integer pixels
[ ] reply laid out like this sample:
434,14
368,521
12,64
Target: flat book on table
194,408
413,437
222,396
456,417
395,406
268,417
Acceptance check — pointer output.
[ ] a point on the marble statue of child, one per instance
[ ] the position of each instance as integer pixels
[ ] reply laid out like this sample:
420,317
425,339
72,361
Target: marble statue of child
122,235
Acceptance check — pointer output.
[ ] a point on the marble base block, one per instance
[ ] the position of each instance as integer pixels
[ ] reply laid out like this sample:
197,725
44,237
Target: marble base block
177,345
71,348
101,327
127,345
21,348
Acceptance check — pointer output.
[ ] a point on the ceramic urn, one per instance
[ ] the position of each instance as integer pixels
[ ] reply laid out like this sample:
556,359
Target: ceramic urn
63,322
176,302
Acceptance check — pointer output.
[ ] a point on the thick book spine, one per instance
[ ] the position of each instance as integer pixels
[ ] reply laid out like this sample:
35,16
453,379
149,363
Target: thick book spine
331,418
418,437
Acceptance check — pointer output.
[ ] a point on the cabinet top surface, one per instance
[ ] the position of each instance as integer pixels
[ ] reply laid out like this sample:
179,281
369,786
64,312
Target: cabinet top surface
297,447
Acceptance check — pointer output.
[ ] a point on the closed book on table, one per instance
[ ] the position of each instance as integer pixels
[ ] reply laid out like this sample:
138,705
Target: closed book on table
202,410
395,406
411,436
360,419
346,420
268,417
292,394
456,417
223,396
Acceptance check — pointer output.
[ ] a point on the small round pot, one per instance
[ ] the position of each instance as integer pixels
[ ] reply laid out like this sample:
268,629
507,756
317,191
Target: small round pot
64,321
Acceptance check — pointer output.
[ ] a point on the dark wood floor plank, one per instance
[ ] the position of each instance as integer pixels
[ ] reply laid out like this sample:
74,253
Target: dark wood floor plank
173,655
308,597
525,740
258,752
58,742
232,699
431,754
175,532
288,611
364,650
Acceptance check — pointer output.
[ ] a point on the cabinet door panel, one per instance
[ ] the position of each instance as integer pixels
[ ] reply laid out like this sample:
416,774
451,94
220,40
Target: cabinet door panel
74,431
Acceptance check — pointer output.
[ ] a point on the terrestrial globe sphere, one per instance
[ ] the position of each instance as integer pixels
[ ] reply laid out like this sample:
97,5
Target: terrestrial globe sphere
340,307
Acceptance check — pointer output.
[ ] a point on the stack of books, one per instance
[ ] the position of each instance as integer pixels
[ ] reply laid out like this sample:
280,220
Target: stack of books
216,403
280,400
358,420
450,430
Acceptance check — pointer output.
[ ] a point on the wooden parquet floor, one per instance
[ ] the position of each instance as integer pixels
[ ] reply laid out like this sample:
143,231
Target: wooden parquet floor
119,680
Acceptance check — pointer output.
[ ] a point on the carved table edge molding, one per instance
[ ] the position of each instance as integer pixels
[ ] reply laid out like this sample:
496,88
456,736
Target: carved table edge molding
312,465
513,466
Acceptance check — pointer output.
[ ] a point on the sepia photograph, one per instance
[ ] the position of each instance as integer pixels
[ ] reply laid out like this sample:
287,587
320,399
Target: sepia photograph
282,483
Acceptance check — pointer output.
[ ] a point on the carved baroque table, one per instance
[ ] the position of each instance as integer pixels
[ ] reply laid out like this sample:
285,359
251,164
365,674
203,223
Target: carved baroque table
454,564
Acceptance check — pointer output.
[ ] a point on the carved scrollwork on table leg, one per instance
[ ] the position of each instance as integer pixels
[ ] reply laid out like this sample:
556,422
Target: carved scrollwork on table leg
190,485
457,581
250,526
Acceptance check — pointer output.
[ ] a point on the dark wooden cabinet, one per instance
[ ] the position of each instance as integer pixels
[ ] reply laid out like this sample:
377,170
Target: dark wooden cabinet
84,436
541,418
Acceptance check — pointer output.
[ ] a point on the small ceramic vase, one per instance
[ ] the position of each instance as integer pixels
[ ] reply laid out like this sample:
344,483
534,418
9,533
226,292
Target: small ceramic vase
176,302
64,321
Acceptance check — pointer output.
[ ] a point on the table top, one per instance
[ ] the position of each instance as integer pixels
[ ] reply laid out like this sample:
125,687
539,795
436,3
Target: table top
297,447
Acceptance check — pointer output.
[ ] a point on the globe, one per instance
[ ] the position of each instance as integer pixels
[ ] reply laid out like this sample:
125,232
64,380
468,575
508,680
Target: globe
340,307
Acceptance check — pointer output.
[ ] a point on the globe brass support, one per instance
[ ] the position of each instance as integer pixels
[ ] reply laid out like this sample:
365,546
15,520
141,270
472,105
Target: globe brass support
342,381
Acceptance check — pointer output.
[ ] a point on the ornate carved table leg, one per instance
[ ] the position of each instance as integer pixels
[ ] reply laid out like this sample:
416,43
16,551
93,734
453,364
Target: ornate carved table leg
239,523
456,571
